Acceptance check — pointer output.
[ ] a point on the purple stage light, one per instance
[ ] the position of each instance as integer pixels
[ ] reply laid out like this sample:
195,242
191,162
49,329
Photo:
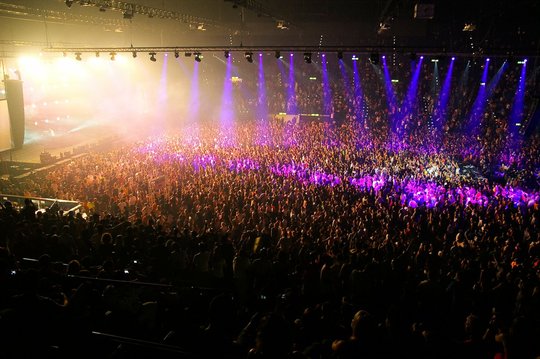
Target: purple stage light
453,58
518,105
390,96
262,105
227,109
291,90
358,96
445,95
484,93
327,94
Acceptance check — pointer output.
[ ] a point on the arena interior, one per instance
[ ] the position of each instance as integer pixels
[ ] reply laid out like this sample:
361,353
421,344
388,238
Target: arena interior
270,179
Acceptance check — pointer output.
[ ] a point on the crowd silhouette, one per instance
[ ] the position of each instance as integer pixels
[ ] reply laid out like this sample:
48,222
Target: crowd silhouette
377,232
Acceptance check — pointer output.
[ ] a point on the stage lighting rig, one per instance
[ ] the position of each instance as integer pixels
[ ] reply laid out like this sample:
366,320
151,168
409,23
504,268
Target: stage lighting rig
198,56
227,54
307,57
249,57
152,56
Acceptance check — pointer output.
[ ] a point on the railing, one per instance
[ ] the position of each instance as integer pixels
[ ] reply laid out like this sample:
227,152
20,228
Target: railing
42,203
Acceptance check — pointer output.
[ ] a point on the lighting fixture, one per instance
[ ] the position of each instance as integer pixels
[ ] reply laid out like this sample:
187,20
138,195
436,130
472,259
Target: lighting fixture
249,56
113,55
78,56
152,56
198,56
340,55
307,57
176,54
227,54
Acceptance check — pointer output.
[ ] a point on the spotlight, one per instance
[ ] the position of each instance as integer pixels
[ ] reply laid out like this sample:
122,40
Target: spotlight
198,56
374,58
354,58
78,56
453,58
113,55
487,60
176,54
307,57
152,56
340,55
278,55
69,3
187,54
97,53
134,54
227,54
249,57
421,57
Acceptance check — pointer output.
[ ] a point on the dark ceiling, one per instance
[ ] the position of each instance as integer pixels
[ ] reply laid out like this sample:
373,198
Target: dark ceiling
498,24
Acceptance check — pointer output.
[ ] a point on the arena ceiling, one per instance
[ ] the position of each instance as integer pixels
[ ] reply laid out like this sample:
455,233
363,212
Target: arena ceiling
459,25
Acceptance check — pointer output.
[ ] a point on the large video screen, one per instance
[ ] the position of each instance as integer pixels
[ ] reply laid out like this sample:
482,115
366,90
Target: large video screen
5,128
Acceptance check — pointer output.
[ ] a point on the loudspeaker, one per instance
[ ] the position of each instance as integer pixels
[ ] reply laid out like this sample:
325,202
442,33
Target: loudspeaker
15,100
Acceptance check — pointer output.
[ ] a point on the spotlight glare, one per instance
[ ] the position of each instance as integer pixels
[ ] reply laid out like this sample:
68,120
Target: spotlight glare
198,56
453,58
421,57
487,60
354,58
